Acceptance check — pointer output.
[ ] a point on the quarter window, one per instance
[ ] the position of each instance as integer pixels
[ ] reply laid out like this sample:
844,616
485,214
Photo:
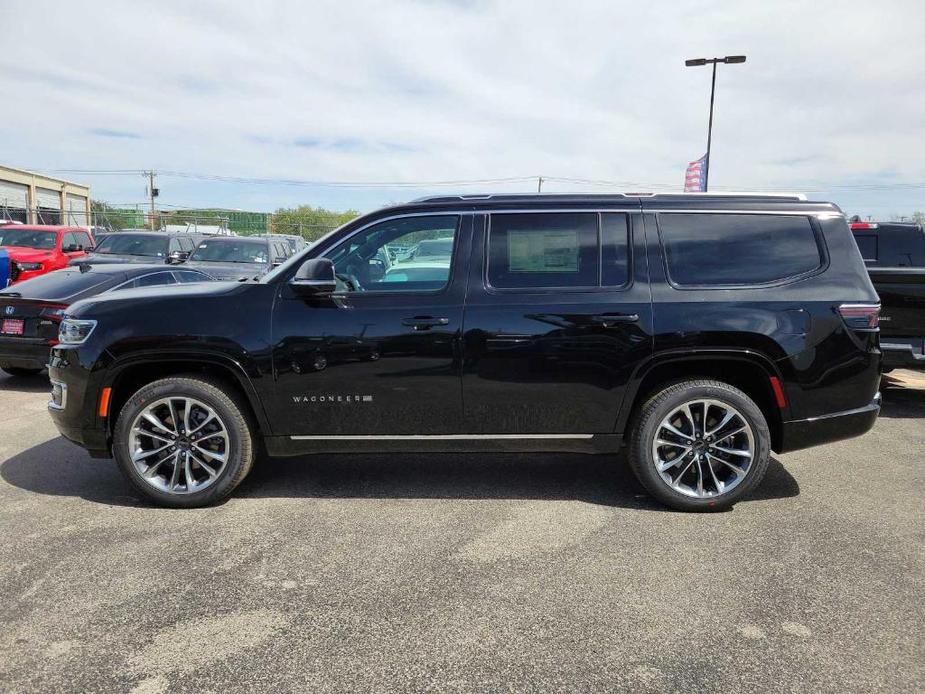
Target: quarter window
737,249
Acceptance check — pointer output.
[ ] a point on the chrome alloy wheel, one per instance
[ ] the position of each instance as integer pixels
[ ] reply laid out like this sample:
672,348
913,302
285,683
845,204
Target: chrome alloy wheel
179,445
703,448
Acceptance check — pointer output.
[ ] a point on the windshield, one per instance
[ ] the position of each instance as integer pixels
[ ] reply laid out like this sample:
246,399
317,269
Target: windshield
129,244
28,238
231,252
297,259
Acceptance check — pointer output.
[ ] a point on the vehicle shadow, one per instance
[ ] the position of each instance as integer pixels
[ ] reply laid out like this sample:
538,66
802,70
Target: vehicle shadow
58,468
25,384
902,398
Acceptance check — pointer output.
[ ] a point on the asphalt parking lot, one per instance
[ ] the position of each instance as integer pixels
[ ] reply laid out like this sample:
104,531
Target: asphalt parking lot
454,573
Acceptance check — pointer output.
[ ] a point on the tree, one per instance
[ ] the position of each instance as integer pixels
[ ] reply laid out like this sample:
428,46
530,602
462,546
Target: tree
309,222
104,215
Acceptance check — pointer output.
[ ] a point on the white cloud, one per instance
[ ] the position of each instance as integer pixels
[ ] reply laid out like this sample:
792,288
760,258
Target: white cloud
832,94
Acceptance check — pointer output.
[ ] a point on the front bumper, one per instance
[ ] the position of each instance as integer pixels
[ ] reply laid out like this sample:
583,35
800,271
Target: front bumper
74,404
803,433
24,352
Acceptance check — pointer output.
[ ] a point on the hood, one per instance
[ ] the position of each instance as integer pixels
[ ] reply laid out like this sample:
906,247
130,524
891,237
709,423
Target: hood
229,271
136,297
28,255
115,258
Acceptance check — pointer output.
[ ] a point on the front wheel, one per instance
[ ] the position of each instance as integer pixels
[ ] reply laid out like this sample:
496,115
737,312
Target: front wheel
184,442
700,445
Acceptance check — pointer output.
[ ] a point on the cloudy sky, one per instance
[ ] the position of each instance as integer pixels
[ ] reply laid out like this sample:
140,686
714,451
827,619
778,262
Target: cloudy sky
831,100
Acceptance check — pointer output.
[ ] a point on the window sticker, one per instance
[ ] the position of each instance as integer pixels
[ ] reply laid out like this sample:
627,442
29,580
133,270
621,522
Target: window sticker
542,251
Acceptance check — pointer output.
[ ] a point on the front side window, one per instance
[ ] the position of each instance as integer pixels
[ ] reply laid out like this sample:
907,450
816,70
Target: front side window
737,249
406,254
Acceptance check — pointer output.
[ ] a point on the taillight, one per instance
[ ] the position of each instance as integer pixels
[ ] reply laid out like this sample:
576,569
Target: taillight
860,316
863,226
54,312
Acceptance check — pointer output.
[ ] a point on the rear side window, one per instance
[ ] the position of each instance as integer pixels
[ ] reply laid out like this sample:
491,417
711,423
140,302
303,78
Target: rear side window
154,280
737,249
558,250
543,250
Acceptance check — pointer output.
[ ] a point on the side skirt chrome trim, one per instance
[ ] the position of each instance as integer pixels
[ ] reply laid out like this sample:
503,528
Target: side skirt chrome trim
441,437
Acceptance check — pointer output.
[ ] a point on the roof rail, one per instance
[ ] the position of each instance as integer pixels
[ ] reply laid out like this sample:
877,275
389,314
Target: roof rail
712,194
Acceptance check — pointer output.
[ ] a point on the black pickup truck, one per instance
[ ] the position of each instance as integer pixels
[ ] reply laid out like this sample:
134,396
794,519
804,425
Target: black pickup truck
894,253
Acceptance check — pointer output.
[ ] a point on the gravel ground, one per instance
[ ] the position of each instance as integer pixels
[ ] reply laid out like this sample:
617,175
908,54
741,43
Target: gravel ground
463,573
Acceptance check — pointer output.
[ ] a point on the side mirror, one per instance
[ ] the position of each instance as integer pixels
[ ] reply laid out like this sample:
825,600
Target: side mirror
177,257
315,276
70,248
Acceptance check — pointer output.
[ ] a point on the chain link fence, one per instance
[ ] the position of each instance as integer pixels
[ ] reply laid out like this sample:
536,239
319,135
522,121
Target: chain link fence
211,221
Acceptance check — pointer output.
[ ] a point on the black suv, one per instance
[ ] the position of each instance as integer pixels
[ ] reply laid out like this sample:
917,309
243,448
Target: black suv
701,331
141,247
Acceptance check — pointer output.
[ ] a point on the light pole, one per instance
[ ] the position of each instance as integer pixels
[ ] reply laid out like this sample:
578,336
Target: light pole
697,62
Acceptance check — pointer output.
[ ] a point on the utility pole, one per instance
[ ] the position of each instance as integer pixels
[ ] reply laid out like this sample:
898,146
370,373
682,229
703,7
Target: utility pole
695,62
539,184
152,193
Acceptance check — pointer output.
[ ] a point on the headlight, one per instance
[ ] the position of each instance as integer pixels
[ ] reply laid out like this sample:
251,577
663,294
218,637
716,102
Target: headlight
74,331
28,267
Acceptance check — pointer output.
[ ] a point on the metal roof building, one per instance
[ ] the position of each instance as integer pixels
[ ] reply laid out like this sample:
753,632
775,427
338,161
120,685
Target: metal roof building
33,198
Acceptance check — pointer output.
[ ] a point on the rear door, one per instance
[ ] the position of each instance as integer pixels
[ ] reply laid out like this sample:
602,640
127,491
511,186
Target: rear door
558,315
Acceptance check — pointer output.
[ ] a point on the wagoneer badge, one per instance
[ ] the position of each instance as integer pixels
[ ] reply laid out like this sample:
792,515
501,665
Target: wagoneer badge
345,399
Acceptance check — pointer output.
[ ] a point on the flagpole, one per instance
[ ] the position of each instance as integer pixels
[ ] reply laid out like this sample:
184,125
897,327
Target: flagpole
706,169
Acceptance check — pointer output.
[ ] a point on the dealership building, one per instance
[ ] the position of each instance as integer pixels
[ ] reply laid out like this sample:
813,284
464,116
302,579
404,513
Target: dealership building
32,198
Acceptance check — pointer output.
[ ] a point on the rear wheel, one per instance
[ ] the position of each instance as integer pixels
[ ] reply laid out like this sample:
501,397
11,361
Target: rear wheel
700,445
20,371
184,442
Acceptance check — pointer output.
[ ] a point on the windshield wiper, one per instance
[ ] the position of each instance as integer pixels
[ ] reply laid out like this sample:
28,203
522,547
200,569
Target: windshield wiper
11,294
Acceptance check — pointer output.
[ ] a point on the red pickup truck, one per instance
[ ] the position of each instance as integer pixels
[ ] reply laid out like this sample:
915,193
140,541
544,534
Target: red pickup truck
36,249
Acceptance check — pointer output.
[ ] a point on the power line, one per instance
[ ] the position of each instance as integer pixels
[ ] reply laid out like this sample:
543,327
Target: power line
808,187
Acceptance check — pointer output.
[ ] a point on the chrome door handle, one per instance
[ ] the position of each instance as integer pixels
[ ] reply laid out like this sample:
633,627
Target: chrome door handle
424,322
609,320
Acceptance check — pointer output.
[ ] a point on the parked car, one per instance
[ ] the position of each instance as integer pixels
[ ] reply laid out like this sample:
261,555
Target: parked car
239,257
699,331
894,253
35,249
146,247
31,312
296,242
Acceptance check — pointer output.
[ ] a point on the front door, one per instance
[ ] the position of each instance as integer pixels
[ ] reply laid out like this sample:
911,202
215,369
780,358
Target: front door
381,357
558,315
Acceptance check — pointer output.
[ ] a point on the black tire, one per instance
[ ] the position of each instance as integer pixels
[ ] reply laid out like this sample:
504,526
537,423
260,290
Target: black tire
229,408
320,362
661,405
20,371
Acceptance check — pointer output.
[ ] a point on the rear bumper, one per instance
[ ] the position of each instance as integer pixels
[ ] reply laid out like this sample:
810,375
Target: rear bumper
24,352
803,433
906,354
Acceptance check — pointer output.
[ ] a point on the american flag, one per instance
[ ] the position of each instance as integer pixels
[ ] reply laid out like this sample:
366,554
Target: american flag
694,181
